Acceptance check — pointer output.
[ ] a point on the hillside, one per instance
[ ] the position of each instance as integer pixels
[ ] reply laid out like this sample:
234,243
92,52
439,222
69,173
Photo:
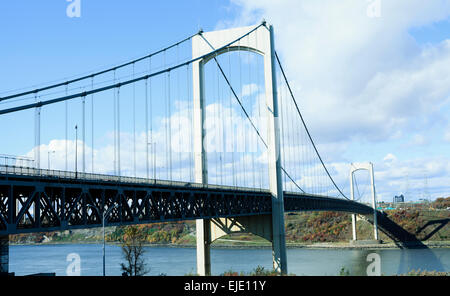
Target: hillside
430,223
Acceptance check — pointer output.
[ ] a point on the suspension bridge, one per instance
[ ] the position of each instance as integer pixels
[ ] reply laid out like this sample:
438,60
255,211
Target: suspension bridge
206,129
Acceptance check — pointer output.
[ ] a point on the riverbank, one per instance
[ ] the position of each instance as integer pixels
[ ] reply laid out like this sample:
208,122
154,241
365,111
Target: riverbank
318,230
233,244
383,245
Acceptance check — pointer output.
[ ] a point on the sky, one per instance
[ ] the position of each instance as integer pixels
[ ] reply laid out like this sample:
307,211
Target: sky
372,77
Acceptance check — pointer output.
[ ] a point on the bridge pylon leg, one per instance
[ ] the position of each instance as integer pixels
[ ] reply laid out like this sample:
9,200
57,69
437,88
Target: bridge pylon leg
209,230
274,159
4,254
203,227
354,226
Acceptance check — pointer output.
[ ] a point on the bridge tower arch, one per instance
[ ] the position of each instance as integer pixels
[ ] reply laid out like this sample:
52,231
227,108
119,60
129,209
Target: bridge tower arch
369,167
260,41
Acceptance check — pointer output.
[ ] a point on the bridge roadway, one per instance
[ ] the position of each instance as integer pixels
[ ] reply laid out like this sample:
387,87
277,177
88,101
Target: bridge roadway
69,200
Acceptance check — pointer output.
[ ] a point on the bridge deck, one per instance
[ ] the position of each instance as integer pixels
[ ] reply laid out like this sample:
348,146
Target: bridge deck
69,200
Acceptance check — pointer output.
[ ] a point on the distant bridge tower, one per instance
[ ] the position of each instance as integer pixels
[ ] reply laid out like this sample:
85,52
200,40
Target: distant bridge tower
261,41
369,167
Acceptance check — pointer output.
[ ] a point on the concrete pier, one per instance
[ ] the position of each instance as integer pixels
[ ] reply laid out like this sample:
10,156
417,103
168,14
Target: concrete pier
4,253
364,242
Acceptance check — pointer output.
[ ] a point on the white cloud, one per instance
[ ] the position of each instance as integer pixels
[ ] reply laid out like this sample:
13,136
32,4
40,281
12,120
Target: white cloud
366,76
249,89
418,140
364,80
447,136
417,177
389,159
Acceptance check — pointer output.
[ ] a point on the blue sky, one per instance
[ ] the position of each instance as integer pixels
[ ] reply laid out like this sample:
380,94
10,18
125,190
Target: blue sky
42,39
380,84
432,33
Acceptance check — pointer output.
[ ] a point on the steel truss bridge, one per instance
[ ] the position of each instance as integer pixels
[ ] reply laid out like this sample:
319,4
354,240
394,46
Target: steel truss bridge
65,202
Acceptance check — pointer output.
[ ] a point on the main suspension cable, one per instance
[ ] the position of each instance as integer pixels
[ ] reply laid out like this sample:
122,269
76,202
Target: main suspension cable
120,84
97,73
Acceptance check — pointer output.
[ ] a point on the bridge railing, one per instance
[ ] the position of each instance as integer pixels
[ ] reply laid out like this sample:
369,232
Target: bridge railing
14,160
69,175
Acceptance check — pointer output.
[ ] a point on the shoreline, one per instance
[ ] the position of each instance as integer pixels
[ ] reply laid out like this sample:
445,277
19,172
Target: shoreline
327,245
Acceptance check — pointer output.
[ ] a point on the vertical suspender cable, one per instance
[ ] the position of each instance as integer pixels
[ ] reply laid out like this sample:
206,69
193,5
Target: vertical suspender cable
115,126
251,143
283,130
303,143
261,166
37,135
83,112
297,167
217,130
146,131
180,177
213,149
291,155
260,123
118,131
232,124
310,168
166,160
305,154
152,144
191,128
170,125
221,127
134,126
296,157
223,131
243,125
66,104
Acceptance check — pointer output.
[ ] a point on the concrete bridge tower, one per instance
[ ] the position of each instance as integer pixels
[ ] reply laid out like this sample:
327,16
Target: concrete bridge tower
271,227
369,167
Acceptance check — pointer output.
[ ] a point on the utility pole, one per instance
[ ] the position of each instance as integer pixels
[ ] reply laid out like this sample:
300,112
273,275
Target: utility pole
104,215
48,157
76,150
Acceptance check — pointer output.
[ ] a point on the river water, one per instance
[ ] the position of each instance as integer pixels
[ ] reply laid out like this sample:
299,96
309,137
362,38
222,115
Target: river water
31,259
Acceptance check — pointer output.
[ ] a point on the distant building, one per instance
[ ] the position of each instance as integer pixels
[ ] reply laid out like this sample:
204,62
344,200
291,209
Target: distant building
398,199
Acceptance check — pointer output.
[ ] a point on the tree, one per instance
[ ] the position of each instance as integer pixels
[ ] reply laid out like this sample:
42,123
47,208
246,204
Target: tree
133,252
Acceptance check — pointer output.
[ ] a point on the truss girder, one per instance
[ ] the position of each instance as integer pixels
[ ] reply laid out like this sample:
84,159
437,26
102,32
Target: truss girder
39,204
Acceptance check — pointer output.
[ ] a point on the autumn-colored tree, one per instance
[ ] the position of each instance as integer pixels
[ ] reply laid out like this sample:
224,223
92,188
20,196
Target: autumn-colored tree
133,252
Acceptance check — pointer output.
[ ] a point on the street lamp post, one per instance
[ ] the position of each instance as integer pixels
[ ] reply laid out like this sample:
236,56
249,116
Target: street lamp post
103,226
153,152
48,158
151,144
76,148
